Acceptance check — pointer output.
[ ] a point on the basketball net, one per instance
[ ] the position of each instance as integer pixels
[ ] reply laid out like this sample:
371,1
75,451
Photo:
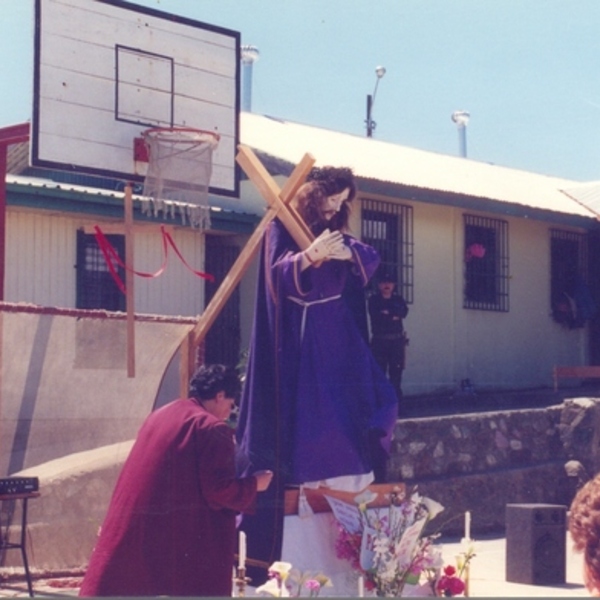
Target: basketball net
179,171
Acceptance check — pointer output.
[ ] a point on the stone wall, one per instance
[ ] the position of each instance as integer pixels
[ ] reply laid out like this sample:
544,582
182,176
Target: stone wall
483,461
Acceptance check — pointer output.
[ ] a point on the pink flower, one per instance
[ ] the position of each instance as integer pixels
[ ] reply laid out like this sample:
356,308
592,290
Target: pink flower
347,547
474,251
448,584
313,585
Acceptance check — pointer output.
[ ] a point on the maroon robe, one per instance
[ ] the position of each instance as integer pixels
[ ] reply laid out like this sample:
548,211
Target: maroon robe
170,526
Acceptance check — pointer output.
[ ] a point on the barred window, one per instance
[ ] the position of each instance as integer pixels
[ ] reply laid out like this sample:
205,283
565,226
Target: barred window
568,268
388,227
485,264
96,287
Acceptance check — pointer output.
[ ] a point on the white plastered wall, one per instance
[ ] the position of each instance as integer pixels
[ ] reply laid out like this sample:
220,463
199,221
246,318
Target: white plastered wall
495,350
42,253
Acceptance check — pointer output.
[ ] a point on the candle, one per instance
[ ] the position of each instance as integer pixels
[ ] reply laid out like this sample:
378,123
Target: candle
242,550
361,587
468,525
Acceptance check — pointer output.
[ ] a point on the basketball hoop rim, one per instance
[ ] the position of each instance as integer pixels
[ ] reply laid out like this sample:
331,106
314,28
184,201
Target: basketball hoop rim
201,134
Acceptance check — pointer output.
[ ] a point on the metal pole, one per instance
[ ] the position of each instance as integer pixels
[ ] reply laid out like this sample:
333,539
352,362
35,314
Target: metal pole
3,162
369,120
462,140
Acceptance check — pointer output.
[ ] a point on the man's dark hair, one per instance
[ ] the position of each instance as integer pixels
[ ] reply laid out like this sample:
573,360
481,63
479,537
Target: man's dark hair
334,180
209,380
320,183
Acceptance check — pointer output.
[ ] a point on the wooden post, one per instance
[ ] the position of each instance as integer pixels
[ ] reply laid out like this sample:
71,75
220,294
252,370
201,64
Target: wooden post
129,278
9,135
267,186
278,199
249,251
3,161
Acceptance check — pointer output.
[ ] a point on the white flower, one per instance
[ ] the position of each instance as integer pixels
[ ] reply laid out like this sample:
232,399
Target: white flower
469,546
281,568
432,558
381,546
388,573
272,587
364,498
433,508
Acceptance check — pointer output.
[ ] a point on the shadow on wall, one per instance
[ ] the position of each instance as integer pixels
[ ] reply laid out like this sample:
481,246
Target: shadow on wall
65,387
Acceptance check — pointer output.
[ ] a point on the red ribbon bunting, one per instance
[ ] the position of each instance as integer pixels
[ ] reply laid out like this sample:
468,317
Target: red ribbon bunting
111,256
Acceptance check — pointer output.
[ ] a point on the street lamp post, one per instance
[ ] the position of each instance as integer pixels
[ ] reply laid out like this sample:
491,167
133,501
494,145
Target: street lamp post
379,72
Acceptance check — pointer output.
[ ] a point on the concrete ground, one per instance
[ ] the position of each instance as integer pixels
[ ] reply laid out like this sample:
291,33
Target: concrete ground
487,576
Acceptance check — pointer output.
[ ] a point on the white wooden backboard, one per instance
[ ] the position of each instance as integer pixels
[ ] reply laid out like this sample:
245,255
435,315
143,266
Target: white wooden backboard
106,70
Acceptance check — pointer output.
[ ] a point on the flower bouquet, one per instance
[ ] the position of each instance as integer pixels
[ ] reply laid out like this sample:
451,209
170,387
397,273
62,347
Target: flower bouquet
387,545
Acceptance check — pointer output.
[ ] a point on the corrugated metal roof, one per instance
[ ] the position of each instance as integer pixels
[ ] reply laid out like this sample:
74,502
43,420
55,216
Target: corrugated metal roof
375,160
166,209
17,157
19,172
586,194
403,166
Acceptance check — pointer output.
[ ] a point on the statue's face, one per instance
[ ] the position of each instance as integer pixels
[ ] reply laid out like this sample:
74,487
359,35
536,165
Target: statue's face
332,204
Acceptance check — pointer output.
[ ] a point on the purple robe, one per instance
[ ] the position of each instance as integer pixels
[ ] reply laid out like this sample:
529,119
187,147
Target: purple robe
313,390
170,527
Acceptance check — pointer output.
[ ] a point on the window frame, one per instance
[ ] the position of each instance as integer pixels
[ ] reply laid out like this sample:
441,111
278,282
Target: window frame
563,276
485,264
96,287
388,227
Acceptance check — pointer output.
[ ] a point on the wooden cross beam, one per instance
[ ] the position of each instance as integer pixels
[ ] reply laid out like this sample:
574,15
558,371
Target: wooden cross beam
279,206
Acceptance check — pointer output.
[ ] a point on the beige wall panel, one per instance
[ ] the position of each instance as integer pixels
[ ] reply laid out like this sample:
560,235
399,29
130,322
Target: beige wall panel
40,259
430,322
177,291
42,252
508,350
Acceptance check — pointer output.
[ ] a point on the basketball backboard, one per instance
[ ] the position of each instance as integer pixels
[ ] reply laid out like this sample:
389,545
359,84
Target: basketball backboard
106,70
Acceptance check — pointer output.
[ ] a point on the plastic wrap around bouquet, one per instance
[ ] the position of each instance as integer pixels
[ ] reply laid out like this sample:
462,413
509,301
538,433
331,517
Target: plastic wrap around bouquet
387,545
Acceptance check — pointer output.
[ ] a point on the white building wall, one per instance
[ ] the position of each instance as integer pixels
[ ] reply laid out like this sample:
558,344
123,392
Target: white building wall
42,253
178,291
40,258
495,350
431,319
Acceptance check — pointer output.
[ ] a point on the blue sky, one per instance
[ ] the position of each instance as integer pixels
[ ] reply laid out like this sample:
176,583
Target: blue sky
528,71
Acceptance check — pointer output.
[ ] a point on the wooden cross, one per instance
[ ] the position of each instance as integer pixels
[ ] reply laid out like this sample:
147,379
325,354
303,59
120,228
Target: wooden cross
279,206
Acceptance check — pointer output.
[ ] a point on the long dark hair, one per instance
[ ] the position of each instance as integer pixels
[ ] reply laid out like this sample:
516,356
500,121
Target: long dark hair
321,183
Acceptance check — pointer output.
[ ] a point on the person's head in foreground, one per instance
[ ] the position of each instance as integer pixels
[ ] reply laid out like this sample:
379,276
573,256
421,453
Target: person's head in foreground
215,388
584,526
324,200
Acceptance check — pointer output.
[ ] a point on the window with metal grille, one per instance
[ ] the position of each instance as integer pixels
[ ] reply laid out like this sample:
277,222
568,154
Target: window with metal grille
223,340
388,227
568,268
96,287
486,264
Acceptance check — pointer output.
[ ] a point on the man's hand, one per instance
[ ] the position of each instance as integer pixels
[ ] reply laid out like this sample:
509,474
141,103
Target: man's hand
342,252
330,244
263,480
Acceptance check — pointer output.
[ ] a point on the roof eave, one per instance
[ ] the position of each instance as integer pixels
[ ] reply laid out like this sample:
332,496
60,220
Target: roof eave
474,203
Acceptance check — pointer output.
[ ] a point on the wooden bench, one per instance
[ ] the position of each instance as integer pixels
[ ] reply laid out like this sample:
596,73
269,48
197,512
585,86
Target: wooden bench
577,372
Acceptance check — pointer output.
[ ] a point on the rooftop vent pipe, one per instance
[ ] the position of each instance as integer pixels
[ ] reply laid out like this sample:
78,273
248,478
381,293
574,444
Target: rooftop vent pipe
461,118
249,57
